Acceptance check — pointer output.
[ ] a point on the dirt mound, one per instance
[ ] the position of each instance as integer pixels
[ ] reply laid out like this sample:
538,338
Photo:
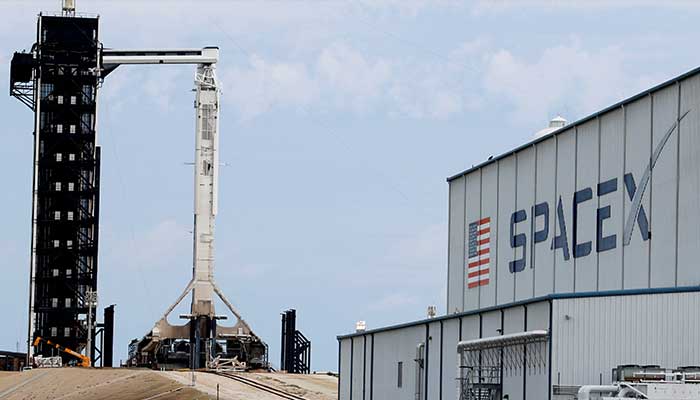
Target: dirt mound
82,384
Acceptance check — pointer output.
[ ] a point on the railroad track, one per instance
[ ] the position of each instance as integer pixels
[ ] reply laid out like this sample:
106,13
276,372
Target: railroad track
260,386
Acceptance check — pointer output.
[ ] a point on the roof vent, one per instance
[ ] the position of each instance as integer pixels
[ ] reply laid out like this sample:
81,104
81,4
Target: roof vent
432,311
360,326
69,6
554,124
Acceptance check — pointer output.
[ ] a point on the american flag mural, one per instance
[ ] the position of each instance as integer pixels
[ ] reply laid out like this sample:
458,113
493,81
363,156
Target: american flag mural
478,254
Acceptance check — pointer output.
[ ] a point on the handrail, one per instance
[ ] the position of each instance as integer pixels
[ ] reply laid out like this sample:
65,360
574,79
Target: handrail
511,339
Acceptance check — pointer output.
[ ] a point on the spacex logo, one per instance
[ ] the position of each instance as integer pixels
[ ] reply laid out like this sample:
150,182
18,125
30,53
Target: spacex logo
637,199
540,213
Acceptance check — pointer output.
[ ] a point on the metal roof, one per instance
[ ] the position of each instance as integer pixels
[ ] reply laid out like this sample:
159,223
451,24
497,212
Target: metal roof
12,354
550,297
579,122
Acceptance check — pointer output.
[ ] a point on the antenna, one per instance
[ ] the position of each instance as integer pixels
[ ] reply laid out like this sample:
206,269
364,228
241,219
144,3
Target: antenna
68,8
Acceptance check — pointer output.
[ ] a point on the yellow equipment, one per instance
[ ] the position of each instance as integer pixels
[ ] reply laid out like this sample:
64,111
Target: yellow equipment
84,361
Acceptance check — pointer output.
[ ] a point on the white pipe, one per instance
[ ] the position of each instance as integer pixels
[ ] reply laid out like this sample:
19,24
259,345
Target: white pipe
207,55
623,393
626,388
584,393
419,368
157,59
501,340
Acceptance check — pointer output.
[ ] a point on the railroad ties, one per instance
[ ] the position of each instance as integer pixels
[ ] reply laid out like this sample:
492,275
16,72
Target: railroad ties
260,386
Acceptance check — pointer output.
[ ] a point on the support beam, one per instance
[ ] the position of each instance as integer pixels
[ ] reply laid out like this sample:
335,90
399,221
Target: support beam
113,58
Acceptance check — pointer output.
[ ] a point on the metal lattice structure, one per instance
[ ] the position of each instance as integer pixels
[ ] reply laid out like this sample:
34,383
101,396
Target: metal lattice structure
484,362
296,348
58,80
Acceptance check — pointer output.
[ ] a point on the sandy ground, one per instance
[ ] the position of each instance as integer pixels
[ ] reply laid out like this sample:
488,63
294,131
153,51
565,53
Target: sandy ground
84,384
311,387
141,384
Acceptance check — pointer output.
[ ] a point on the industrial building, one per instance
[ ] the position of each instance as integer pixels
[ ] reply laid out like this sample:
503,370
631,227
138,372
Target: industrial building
12,361
568,257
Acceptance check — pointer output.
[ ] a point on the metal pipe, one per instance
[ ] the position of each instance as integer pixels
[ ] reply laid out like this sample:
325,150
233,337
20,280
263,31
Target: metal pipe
501,340
119,57
626,389
624,392
419,369
584,393
35,198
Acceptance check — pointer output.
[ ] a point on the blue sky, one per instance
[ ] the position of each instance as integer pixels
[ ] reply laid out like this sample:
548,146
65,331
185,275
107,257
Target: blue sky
340,121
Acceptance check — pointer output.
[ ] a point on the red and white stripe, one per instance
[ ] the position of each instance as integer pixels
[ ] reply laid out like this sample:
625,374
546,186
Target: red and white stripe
478,270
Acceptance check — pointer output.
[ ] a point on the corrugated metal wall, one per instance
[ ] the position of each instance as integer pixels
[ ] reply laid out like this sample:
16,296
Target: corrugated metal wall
455,256
345,365
593,335
359,366
435,351
390,348
604,160
450,336
380,352
537,381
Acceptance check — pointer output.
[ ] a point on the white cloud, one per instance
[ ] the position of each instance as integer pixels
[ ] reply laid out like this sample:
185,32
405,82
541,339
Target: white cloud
430,91
443,86
156,87
503,6
160,82
564,77
408,7
313,73
260,85
166,245
353,79
343,78
337,74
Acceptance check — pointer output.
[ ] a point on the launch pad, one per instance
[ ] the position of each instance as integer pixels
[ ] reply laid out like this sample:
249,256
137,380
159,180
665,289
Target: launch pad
59,81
